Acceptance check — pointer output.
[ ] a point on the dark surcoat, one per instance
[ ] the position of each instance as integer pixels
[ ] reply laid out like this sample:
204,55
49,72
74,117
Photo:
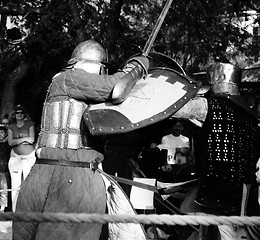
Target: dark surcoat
226,155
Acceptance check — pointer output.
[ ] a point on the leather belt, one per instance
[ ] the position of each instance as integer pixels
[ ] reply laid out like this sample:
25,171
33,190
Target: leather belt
92,165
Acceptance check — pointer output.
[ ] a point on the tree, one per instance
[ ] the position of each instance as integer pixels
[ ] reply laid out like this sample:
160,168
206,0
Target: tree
193,33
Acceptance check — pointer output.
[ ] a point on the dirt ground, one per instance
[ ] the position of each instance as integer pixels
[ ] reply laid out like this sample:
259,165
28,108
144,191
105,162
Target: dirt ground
5,230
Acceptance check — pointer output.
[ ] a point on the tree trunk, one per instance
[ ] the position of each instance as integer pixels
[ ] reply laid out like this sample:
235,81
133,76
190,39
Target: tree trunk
113,29
2,34
9,96
77,23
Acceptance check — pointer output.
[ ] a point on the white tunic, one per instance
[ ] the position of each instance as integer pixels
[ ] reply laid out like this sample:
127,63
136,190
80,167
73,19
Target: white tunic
170,143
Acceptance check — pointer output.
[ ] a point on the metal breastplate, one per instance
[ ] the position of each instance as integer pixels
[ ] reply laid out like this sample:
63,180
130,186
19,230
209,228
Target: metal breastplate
61,123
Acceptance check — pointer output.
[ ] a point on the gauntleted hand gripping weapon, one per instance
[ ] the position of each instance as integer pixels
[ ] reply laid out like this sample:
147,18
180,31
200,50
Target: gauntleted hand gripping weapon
123,88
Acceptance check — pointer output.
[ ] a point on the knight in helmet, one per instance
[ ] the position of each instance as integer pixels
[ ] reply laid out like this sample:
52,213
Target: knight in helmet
226,151
64,178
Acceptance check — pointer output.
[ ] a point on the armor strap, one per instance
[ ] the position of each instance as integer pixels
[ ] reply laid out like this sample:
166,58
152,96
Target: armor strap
92,165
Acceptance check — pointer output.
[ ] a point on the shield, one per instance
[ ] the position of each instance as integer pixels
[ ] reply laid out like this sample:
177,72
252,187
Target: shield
153,99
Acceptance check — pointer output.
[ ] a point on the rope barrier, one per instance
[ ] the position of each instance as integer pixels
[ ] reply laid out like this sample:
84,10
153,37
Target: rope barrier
163,219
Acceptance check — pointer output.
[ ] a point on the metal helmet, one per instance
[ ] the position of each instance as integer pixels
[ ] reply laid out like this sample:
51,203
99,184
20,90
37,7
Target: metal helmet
92,53
224,78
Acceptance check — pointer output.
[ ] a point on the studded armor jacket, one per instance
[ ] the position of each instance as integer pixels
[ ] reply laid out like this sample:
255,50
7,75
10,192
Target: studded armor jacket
226,155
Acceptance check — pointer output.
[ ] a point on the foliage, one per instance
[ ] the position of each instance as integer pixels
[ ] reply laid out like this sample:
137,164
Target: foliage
193,33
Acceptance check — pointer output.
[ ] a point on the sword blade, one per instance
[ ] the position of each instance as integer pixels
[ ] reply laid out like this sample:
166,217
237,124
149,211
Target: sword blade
123,88
156,28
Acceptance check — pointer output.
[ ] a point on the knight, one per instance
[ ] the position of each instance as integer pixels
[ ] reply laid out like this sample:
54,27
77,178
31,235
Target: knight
226,150
65,177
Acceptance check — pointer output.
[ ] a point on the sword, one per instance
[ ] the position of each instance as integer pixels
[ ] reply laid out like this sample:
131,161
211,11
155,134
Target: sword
123,88
156,28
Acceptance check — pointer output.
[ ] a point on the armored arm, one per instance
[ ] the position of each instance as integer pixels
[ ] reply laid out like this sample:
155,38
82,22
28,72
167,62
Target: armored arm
135,69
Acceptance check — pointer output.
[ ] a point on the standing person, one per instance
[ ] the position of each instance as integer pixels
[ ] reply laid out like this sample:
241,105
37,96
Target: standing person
21,137
177,146
4,172
64,177
5,120
120,151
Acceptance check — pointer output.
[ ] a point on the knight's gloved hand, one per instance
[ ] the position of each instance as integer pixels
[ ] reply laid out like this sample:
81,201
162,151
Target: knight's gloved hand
140,61
135,69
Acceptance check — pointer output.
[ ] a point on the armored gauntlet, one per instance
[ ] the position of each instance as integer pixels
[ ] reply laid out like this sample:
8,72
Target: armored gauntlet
135,69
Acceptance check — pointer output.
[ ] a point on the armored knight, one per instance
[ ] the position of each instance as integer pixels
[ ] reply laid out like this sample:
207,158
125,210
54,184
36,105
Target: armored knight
226,148
229,135
64,177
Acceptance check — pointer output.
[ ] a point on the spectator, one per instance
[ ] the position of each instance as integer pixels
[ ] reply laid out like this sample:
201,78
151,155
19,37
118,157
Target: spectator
176,144
178,149
120,151
4,172
5,120
21,137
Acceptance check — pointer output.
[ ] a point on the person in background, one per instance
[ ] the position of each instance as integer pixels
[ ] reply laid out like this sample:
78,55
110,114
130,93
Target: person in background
4,172
21,137
120,151
178,147
5,120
